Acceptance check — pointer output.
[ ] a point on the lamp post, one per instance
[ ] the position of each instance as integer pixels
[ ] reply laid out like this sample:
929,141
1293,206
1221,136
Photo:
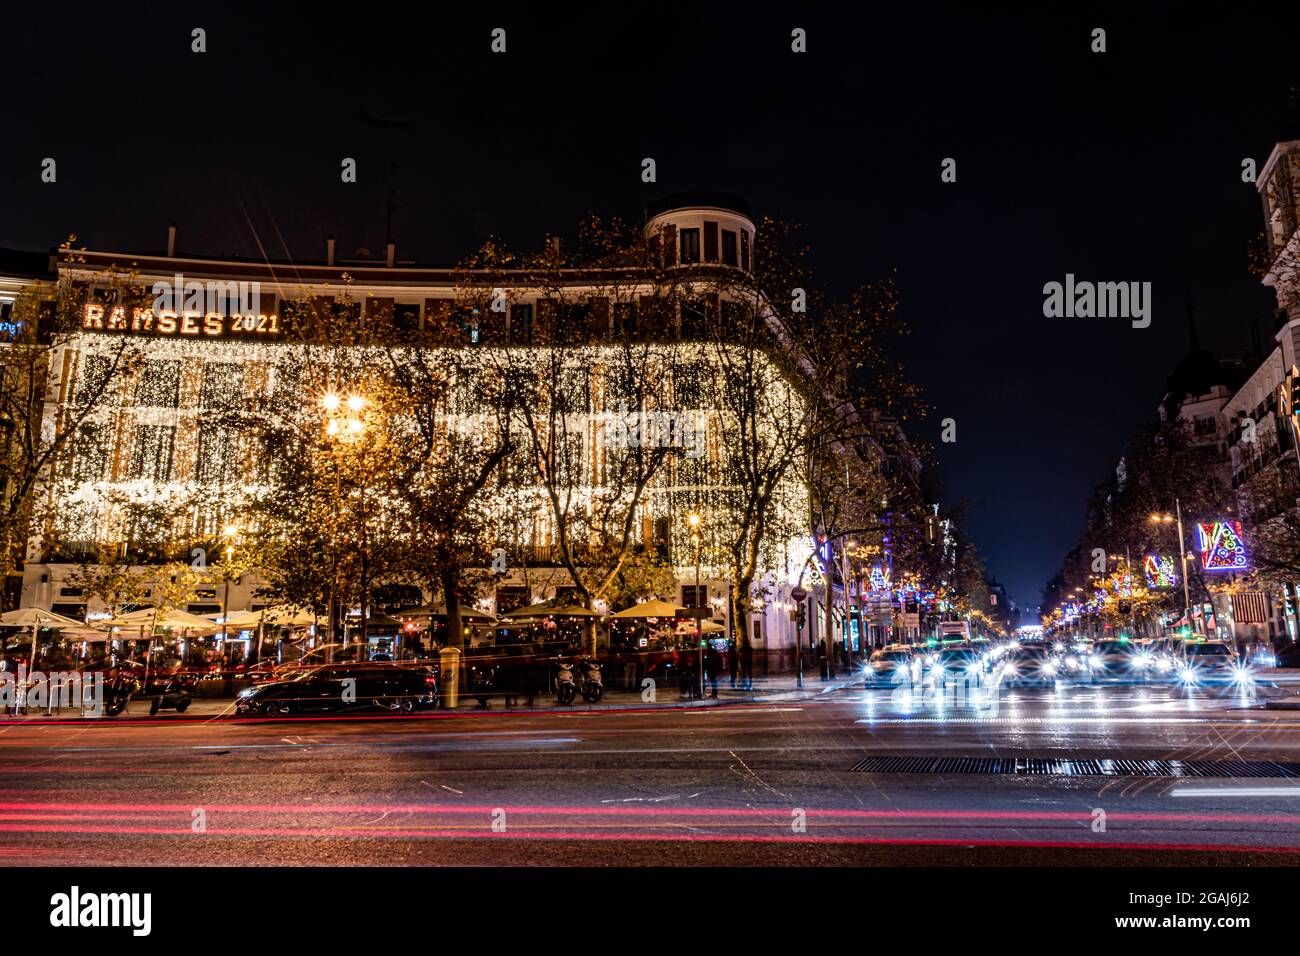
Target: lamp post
693,519
229,533
1182,555
343,425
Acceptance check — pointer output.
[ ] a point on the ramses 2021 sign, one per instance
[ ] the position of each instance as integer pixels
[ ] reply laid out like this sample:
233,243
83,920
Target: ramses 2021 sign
189,310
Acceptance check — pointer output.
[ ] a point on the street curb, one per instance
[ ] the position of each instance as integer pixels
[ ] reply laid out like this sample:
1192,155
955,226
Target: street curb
1287,703
725,698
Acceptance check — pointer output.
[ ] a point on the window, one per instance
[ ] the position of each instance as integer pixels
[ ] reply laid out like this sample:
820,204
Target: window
695,595
9,327
215,461
468,320
406,317
690,246
223,385
159,385
511,599
694,318
626,319
730,248
151,452
521,324
89,452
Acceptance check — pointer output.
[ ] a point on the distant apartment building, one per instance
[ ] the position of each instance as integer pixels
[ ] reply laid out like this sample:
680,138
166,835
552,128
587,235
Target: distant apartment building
1259,419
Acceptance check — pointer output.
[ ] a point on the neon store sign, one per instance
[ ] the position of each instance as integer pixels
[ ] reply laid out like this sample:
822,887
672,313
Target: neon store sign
1222,546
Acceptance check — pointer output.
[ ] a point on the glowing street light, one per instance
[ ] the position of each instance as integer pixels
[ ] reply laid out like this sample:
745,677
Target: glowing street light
1182,554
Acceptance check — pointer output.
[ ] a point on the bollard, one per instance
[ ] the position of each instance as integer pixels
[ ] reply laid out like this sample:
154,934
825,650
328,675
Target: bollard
449,677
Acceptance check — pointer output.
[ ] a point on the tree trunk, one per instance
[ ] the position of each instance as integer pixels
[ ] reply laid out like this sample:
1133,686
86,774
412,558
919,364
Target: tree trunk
451,600
740,628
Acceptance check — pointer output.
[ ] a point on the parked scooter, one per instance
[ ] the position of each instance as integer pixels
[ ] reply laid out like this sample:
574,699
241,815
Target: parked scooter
118,691
170,693
482,681
583,676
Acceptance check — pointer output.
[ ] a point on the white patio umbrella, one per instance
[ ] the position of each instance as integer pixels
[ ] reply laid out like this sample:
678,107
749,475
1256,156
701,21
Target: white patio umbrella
36,618
654,608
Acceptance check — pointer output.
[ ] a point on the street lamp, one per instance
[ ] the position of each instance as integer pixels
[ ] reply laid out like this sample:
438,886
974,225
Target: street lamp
1182,555
345,427
693,519
229,532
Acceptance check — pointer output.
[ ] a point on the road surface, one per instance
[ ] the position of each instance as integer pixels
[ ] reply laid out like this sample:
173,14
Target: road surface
749,783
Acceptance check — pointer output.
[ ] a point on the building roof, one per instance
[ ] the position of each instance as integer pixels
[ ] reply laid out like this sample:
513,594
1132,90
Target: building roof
21,263
695,200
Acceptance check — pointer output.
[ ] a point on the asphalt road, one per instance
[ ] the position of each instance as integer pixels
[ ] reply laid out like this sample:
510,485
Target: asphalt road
736,784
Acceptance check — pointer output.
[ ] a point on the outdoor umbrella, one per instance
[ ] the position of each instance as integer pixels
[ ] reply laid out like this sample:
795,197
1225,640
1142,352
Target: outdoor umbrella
550,609
36,618
174,619
440,610
706,627
285,615
651,609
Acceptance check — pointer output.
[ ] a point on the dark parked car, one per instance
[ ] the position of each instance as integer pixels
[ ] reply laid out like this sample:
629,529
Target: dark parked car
344,688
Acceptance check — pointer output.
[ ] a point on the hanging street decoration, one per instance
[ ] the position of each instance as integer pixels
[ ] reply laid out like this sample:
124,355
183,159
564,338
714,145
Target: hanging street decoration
1222,546
1159,571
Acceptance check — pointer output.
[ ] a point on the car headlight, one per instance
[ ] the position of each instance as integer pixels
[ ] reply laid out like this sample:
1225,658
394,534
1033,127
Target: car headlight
1241,675
247,692
1072,663
1163,663
1142,660
1188,676
1094,661
1049,669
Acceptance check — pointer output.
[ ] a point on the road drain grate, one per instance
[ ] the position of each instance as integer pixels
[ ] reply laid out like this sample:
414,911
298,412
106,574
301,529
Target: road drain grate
1060,767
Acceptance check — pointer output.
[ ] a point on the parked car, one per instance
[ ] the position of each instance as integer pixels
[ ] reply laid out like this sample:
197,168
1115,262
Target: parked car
343,688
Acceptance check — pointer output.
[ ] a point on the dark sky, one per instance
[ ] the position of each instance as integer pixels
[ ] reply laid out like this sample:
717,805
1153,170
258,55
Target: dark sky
1122,166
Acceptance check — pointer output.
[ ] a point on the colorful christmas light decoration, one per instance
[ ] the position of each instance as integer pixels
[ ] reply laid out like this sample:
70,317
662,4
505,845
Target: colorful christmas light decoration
1159,571
1222,546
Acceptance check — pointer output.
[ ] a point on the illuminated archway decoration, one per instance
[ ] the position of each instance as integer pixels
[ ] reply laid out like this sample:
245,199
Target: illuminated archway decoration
1222,546
1159,571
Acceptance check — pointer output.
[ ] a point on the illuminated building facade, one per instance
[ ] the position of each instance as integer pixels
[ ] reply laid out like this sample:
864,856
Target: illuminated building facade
218,334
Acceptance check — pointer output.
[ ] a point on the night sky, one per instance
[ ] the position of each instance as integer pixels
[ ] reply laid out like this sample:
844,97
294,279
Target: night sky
1122,166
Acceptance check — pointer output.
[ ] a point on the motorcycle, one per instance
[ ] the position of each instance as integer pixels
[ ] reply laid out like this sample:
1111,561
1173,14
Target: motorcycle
170,693
482,681
118,692
587,680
